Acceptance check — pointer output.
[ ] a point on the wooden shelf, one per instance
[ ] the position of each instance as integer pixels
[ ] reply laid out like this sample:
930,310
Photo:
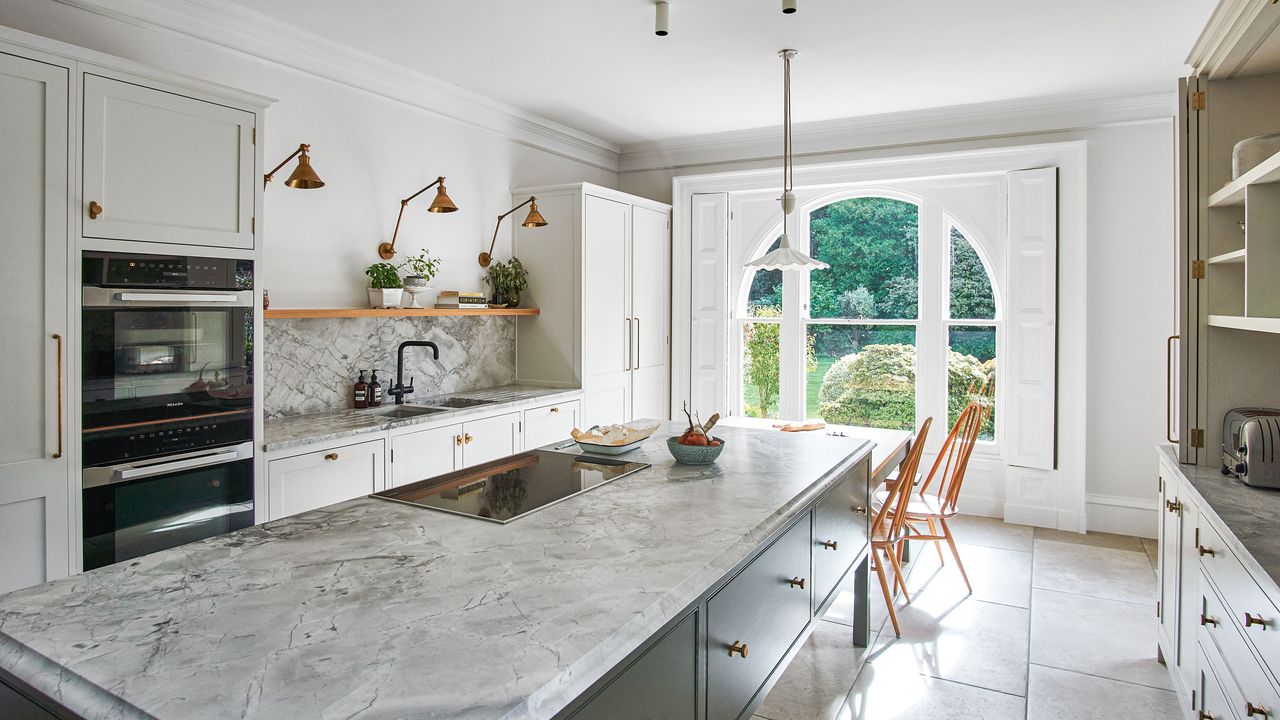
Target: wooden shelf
1235,257
1267,171
294,313
1237,322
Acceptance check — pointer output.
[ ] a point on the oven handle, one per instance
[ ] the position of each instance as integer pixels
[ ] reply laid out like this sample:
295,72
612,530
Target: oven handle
178,298
96,477
99,297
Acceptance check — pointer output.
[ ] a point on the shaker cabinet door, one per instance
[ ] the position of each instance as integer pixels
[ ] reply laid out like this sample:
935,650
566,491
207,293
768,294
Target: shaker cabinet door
660,685
551,424
607,328
840,533
323,477
163,167
490,439
425,454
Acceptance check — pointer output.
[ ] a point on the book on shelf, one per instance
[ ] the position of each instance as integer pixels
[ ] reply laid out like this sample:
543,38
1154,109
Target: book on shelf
462,306
456,296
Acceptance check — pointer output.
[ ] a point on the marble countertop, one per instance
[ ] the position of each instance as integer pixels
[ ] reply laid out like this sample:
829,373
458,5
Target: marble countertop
374,609
290,432
1246,514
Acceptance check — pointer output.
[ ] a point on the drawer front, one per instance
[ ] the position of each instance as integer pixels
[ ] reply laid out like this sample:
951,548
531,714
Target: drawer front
840,532
760,609
1214,703
551,424
1250,610
425,454
490,439
324,477
1243,678
660,685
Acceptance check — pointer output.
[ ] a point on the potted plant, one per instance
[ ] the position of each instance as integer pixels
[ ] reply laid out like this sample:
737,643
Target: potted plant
508,280
423,268
384,285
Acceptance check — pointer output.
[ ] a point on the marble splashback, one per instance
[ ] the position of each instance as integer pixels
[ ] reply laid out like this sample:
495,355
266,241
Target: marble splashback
312,364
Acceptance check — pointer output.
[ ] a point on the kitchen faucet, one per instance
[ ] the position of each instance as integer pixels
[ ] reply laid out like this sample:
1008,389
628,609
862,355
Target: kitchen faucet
400,389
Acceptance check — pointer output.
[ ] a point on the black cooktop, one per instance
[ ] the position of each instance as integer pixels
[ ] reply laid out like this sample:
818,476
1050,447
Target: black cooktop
503,490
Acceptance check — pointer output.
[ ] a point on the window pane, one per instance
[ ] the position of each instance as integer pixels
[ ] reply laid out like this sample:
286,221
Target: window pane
971,374
863,375
761,354
971,296
871,245
765,294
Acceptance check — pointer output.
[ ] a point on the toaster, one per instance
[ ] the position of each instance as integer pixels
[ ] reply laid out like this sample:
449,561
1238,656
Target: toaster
1251,446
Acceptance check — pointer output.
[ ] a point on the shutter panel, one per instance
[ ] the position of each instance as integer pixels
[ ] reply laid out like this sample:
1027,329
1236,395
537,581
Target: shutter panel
708,342
1031,378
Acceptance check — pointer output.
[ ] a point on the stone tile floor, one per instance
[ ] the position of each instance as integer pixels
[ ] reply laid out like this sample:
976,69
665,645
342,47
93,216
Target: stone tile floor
1059,625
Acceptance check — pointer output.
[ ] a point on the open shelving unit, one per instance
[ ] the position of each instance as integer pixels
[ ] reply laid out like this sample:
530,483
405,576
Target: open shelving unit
1233,193
1244,293
297,313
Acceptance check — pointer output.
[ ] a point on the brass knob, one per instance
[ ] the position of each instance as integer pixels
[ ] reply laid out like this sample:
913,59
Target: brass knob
467,438
831,544
1206,620
331,456
1204,716
1250,620
555,410
859,510
1251,710
94,210
796,582
738,648
1204,550
457,440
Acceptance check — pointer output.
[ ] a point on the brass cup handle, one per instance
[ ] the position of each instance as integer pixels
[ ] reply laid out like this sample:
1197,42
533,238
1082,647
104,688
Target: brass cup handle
94,210
467,438
831,544
58,339
1204,551
331,457
796,582
1250,620
1251,710
1206,620
738,648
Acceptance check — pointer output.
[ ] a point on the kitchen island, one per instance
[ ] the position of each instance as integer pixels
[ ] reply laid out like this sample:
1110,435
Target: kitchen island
374,609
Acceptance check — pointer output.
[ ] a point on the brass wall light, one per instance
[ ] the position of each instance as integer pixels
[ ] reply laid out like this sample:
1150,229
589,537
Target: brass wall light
532,220
303,177
441,204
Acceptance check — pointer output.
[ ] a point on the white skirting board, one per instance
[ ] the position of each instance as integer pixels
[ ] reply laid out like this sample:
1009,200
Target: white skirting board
1121,515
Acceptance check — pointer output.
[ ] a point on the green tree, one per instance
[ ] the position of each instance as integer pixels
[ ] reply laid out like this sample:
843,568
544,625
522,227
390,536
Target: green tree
762,346
868,242
858,303
971,294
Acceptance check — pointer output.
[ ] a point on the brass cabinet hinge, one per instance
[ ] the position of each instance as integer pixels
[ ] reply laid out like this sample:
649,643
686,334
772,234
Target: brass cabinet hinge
254,135
253,225
1197,437
1157,608
1197,269
1197,100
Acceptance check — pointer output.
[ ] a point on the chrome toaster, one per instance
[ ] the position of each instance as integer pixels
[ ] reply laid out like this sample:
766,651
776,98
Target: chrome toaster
1251,446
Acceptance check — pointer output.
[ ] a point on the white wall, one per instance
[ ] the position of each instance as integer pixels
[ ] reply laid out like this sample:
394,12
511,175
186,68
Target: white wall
1129,288
371,152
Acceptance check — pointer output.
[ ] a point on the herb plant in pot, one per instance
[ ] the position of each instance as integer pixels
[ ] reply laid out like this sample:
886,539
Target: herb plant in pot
508,280
423,268
384,285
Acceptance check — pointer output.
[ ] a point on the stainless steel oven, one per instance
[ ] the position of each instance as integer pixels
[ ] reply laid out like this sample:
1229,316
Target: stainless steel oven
167,388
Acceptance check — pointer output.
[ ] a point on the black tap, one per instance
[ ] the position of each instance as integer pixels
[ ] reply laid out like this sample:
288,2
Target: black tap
400,389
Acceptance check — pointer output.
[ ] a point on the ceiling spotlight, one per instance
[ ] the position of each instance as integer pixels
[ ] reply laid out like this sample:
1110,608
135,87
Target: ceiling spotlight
788,6
662,11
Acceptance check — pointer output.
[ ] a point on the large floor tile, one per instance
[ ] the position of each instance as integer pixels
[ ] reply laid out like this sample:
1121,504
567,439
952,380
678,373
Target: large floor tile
1000,576
891,695
815,684
1095,571
1153,552
1109,638
1093,539
972,642
1056,694
988,532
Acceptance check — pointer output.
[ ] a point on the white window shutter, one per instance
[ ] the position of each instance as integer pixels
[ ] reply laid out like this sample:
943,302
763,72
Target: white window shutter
1030,391
709,337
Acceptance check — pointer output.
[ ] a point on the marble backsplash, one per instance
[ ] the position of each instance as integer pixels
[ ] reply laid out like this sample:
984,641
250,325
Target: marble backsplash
312,364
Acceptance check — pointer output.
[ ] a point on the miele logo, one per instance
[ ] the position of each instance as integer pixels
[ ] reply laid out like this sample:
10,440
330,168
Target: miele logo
173,404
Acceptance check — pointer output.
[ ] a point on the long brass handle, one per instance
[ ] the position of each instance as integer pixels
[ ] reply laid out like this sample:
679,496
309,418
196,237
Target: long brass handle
331,457
738,648
1206,620
1250,710
628,367
636,365
58,339
831,544
1168,388
1250,620
1204,551
94,210
796,582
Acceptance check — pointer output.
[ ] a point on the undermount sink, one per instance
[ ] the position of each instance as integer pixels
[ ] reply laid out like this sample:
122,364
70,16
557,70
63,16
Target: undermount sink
462,402
403,412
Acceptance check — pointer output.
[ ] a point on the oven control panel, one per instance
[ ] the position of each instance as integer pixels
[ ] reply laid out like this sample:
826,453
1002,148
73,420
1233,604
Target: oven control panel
113,444
102,269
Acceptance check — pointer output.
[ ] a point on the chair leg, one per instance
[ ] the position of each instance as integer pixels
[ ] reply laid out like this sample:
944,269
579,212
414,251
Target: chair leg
936,545
888,598
897,568
954,551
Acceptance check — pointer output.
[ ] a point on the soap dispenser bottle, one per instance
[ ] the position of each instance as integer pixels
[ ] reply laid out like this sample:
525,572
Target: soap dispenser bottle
375,390
361,392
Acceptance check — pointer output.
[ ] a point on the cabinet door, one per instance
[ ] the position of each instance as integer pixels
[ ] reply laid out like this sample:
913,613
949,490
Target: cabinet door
490,439
166,168
606,323
550,424
425,454
840,533
650,313
761,609
1167,569
1188,587
659,685
323,477
34,464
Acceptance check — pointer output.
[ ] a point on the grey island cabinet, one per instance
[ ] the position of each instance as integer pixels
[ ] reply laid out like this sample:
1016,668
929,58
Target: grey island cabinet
674,592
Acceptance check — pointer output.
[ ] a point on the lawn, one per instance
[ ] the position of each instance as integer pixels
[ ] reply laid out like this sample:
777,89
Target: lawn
812,382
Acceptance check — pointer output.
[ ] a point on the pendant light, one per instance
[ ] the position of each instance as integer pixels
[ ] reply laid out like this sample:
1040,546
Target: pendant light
786,257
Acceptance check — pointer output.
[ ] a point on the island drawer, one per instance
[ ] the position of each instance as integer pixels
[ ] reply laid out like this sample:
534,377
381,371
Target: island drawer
840,533
1246,682
1214,701
659,685
1248,607
753,620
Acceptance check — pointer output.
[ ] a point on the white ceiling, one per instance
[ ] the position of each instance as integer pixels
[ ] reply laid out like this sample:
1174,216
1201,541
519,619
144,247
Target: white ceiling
595,65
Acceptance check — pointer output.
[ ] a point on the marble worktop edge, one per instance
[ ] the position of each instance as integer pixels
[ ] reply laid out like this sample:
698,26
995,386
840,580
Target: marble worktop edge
1244,516
282,434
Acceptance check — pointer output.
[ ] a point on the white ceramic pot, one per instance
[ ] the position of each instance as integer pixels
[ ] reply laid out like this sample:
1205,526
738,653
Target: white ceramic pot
385,298
1250,152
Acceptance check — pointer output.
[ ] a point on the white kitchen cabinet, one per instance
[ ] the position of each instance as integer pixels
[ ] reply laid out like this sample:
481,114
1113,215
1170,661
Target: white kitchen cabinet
166,167
550,424
35,447
423,454
323,476
606,324
490,438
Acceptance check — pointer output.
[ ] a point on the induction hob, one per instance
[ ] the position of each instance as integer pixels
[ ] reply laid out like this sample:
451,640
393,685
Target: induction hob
503,490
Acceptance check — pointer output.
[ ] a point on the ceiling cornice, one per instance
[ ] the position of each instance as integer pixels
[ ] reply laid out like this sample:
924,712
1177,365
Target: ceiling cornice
962,122
252,33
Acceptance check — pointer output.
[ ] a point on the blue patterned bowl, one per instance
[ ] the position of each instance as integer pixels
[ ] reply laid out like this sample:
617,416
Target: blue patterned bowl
695,454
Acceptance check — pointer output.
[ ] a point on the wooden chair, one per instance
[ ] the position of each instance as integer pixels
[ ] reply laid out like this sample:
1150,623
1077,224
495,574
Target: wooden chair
888,527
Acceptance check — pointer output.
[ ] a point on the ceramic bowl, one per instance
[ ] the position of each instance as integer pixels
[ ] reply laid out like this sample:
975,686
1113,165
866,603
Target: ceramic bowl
695,454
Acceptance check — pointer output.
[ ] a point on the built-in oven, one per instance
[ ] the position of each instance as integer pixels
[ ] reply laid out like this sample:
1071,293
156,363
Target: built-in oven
167,390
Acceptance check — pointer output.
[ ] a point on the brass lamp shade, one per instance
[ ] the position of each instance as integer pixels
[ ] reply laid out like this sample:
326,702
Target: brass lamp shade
534,218
442,203
303,176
